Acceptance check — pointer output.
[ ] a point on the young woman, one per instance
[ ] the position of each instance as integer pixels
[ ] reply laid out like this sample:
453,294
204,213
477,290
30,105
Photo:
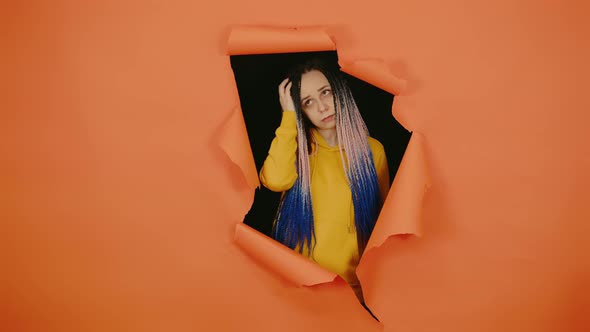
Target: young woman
333,176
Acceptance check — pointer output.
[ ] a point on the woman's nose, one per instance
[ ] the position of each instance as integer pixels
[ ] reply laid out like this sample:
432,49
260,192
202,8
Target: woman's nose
323,106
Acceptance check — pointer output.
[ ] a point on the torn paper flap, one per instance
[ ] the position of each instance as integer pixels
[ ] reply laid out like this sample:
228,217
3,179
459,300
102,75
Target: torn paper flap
402,210
235,143
280,259
375,72
267,40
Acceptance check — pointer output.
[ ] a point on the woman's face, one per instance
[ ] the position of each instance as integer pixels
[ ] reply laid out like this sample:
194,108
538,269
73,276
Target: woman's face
317,101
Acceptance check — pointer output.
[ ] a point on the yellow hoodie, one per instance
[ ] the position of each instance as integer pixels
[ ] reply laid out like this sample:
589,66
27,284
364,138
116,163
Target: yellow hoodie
336,247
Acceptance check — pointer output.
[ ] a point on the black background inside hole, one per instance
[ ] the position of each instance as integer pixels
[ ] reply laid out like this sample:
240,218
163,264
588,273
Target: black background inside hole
257,79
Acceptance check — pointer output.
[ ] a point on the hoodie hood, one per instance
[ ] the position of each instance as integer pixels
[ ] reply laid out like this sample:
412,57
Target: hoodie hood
319,139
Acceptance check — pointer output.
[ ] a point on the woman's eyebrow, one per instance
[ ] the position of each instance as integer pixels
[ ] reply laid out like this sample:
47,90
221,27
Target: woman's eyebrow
320,89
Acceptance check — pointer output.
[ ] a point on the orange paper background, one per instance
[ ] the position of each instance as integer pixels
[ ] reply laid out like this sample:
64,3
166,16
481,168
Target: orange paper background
118,208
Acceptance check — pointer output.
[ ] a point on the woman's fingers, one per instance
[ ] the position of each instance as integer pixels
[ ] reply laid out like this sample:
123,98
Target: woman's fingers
282,86
289,99
288,89
285,95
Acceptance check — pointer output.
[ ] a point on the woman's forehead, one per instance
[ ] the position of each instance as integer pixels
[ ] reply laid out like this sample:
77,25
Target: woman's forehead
312,81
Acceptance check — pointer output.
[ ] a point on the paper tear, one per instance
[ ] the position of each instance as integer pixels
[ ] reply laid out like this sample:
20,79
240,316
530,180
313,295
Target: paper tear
375,72
267,40
282,260
402,209
235,143
401,213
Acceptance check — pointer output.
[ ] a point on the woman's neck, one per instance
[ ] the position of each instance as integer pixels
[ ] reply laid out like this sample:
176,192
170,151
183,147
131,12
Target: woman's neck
329,135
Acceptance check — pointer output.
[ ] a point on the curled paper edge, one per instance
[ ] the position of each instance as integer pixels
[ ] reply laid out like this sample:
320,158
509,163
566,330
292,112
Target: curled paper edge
401,213
285,262
280,259
266,40
402,209
235,143
375,72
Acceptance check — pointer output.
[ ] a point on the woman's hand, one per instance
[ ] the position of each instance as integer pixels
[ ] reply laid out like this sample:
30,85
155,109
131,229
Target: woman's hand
285,96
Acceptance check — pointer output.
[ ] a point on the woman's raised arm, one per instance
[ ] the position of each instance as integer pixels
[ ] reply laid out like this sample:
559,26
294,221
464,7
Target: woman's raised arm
279,171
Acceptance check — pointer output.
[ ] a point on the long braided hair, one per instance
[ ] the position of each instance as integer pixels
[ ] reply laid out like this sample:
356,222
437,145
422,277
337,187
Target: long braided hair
294,224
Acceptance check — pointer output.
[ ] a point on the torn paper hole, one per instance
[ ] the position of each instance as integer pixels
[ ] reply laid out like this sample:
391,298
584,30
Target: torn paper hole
247,136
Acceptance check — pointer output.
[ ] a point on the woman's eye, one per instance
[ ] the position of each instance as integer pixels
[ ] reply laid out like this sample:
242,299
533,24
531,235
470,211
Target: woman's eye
307,102
326,92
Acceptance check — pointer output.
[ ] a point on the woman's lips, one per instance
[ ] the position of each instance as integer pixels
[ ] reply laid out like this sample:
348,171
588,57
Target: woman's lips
328,118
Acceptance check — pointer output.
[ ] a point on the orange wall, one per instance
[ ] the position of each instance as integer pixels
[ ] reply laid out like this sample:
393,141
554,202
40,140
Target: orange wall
118,208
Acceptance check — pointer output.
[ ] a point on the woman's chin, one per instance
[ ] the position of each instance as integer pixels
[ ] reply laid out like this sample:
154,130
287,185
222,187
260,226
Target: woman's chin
326,127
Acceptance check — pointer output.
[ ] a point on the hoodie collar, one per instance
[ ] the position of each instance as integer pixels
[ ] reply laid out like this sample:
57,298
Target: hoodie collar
322,142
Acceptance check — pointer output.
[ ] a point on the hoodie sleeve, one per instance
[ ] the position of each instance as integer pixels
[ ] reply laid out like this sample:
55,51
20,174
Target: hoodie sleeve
279,171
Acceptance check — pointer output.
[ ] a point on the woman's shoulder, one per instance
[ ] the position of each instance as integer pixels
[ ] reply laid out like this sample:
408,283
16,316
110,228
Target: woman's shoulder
375,145
377,150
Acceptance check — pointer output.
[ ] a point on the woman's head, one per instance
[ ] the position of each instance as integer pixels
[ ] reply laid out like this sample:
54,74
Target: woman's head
317,100
314,95
322,98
